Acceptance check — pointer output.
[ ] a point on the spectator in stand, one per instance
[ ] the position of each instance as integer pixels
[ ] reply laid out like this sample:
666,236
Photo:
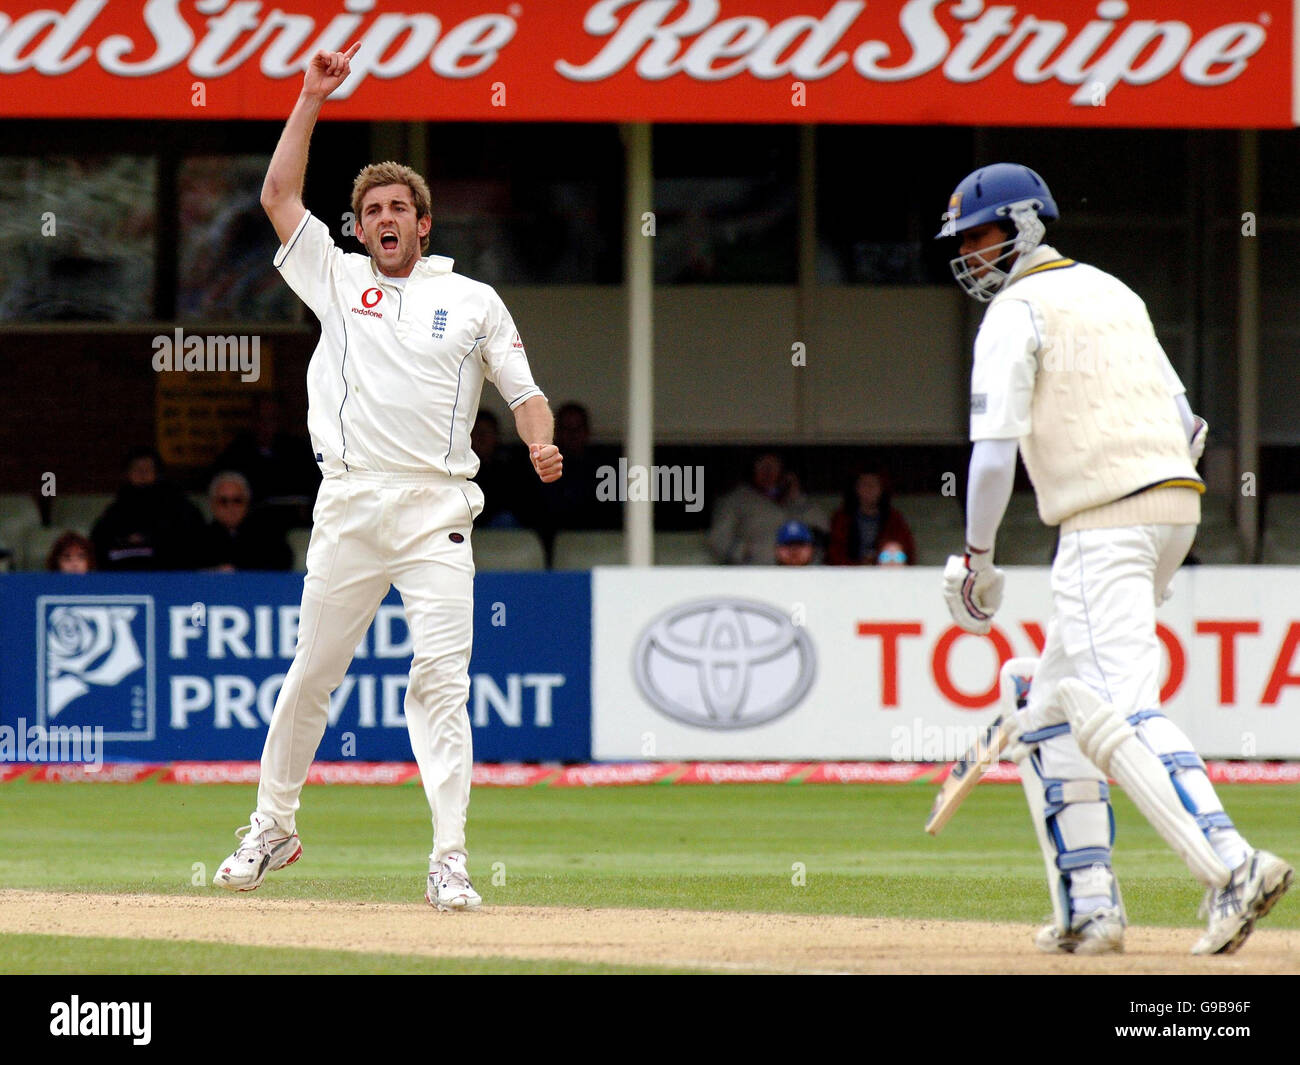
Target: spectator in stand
505,504
865,522
795,544
71,553
278,465
892,554
799,507
238,537
150,525
746,519
571,502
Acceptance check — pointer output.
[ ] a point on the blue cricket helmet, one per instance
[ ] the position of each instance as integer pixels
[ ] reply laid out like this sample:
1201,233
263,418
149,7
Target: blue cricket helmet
987,195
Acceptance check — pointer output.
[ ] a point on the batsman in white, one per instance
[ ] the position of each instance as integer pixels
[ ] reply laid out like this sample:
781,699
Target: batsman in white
393,388
1068,371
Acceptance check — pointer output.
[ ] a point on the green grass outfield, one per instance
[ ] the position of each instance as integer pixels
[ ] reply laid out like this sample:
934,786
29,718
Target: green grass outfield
724,847
78,955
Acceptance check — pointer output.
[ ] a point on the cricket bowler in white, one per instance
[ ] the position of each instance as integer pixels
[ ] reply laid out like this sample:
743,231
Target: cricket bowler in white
393,389
1068,372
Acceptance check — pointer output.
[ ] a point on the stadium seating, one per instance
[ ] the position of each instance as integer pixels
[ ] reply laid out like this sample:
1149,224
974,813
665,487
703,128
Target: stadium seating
507,549
78,511
1280,544
937,523
1022,511
18,513
298,540
682,549
1218,543
1023,539
1216,509
1026,545
577,550
36,546
827,502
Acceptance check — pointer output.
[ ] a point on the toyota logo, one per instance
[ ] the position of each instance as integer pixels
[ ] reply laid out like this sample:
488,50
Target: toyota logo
724,663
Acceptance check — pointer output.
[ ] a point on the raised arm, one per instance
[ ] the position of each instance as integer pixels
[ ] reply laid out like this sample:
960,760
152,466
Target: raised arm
282,189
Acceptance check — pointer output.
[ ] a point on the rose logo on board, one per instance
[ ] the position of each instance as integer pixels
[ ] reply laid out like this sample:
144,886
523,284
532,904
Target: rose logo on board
724,663
95,663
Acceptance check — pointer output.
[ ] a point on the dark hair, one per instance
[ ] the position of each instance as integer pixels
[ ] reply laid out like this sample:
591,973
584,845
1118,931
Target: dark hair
143,451
851,507
67,540
574,408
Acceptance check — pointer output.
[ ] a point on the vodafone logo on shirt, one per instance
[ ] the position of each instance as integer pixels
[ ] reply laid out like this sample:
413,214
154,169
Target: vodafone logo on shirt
369,298
1165,63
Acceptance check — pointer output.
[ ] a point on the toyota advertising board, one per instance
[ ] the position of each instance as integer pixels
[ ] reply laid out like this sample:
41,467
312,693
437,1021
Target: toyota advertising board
1190,63
732,663
187,666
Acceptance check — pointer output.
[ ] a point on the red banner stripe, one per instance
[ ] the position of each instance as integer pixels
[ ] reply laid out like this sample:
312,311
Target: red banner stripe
1156,63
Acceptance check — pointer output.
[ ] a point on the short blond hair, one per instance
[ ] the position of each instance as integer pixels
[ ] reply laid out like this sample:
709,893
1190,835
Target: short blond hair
390,173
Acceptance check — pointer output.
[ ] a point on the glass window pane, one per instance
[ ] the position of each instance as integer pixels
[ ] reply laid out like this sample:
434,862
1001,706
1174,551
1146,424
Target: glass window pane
77,238
726,204
881,191
227,243
537,203
501,233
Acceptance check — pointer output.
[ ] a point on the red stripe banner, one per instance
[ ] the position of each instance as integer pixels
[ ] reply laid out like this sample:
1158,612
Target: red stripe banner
1170,63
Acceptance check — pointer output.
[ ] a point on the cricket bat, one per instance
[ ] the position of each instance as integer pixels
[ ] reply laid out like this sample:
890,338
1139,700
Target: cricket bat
966,773
1014,680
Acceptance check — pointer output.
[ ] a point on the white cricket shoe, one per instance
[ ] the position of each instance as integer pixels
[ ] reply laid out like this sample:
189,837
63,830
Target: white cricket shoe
263,846
449,887
1098,932
1255,886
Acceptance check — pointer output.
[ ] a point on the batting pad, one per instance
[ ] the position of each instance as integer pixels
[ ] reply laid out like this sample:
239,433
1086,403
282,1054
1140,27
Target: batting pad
1107,738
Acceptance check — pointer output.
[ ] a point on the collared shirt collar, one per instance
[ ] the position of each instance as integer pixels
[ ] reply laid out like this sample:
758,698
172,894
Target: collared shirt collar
429,266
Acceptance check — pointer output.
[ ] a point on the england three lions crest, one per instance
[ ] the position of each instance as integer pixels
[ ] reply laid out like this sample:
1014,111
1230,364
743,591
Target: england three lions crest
95,663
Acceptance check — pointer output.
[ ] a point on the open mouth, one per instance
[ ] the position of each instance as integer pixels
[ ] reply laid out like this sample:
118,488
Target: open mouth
388,241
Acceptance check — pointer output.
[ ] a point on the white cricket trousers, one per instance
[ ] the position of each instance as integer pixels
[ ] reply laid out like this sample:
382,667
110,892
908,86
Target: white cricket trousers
1103,626
372,530
1103,631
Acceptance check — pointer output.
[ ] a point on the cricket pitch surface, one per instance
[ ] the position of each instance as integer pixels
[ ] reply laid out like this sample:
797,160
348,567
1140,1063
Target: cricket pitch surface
719,941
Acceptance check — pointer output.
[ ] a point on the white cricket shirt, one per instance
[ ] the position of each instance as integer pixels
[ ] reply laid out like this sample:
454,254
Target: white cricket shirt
394,383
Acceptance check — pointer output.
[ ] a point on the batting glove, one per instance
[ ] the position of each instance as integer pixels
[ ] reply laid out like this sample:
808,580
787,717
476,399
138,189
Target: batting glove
1197,443
972,587
1016,750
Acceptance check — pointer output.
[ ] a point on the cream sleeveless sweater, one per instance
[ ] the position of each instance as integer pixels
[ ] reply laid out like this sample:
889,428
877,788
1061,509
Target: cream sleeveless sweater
1106,447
